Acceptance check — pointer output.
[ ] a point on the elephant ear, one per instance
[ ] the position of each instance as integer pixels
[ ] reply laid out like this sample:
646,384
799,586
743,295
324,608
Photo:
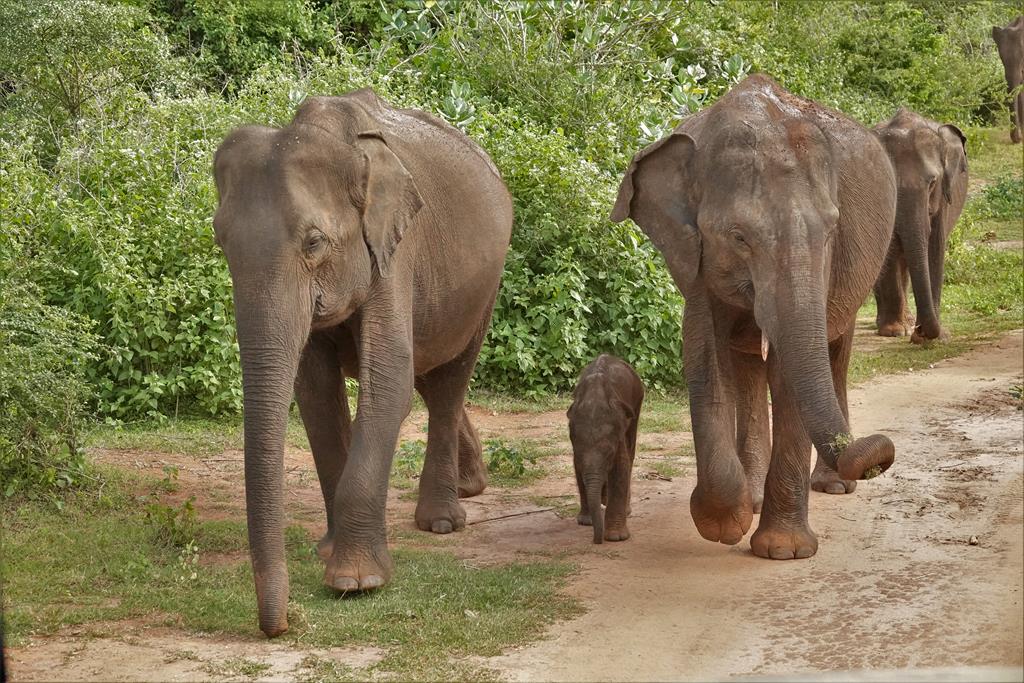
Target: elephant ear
954,157
656,193
390,200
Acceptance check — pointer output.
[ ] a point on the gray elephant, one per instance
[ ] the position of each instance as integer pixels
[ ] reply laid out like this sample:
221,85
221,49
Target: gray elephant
930,160
774,215
1010,42
368,242
603,421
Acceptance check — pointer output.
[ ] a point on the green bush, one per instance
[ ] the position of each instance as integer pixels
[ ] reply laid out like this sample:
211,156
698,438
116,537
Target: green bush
44,353
109,195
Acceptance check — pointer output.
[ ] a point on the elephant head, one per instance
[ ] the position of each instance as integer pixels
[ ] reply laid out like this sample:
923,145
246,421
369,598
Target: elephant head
1009,40
929,160
749,218
309,218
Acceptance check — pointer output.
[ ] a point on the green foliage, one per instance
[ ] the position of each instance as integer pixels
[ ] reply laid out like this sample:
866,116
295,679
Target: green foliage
108,134
509,463
173,526
1003,198
44,352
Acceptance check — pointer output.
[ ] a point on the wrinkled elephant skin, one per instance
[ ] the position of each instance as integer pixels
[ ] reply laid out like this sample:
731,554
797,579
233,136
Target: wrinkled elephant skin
603,421
774,215
930,161
364,242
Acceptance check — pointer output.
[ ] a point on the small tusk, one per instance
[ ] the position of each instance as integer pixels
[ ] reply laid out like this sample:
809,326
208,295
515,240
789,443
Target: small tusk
764,346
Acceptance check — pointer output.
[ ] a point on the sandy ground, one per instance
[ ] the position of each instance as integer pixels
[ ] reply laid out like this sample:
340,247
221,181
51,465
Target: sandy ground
919,569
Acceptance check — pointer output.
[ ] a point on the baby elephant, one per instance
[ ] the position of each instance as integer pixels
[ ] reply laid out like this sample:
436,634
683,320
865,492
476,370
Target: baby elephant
602,427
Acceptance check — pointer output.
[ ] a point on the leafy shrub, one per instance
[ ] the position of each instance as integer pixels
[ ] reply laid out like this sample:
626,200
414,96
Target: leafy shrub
44,352
1003,199
509,463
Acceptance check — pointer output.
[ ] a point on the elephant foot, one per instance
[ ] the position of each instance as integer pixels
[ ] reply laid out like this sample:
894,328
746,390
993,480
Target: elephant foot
618,532
755,482
826,480
724,521
776,542
359,569
897,328
440,517
472,483
1015,135
866,458
918,337
583,519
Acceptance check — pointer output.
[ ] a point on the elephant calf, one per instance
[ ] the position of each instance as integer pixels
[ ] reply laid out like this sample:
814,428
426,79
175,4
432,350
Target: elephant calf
603,420
930,161
363,241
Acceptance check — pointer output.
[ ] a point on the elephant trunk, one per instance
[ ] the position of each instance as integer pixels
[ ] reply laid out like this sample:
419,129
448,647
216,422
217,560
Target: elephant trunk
270,344
593,482
914,225
797,330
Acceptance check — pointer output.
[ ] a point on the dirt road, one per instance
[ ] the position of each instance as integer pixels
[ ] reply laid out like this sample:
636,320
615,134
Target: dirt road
921,567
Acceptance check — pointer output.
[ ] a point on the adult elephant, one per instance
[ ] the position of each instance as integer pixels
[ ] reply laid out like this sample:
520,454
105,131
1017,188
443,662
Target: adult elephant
363,241
774,215
930,160
1010,42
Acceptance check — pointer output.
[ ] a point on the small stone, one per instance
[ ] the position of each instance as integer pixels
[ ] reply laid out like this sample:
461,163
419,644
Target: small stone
973,540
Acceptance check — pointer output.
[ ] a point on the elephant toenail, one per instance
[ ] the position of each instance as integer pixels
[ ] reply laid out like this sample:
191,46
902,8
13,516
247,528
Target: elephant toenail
370,582
345,584
441,526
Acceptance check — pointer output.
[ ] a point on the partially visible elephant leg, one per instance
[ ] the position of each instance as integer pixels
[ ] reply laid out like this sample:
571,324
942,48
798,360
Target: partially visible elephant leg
615,528
824,478
783,532
323,405
891,294
444,391
720,505
753,438
472,470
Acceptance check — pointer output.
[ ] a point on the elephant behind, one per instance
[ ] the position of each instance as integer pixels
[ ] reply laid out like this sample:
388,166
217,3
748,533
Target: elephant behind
930,160
1010,42
368,242
774,215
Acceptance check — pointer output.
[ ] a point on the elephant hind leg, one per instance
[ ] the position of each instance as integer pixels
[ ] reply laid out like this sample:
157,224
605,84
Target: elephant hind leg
472,470
444,391
892,319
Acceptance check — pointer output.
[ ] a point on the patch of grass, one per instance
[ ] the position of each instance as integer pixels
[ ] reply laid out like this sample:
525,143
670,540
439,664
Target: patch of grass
194,436
237,666
91,562
990,154
408,464
564,506
665,413
666,468
316,669
512,463
505,403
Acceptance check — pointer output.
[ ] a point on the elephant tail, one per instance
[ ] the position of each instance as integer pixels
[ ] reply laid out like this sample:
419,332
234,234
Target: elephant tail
593,486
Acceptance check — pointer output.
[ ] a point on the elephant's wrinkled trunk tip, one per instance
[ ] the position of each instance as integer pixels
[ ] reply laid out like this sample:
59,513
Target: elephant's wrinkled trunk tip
594,486
863,458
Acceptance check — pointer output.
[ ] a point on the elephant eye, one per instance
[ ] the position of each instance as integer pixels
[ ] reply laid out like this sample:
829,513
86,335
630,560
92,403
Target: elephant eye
737,235
314,241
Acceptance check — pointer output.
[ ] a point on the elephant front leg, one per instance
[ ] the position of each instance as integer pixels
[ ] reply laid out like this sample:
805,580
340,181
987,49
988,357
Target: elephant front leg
783,532
753,438
360,559
721,504
472,470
